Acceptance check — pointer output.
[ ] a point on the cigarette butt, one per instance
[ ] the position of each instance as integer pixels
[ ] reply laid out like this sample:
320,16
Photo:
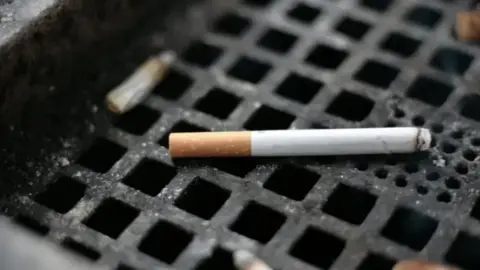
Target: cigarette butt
245,260
418,265
308,142
468,25
139,85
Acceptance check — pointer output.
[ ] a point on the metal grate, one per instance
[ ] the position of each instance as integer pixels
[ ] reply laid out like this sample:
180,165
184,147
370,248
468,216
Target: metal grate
275,64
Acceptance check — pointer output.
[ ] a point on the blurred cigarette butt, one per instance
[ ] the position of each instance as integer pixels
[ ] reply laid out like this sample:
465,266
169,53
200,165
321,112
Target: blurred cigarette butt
245,260
418,265
306,142
139,85
468,25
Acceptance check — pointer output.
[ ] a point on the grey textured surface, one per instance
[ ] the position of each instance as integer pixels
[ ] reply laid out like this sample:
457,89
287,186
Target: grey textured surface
21,249
363,212
60,64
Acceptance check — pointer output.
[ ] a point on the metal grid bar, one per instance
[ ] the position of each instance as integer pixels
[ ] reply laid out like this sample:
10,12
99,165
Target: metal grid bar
356,213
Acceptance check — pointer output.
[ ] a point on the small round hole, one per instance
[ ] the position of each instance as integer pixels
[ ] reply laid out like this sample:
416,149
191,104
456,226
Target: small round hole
433,176
452,183
418,121
461,168
469,155
411,168
476,141
437,128
401,181
422,190
448,148
362,166
381,173
399,113
457,134
391,124
433,143
444,197
391,161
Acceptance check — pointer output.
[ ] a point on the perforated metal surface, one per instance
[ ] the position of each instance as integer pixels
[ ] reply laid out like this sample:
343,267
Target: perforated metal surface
275,64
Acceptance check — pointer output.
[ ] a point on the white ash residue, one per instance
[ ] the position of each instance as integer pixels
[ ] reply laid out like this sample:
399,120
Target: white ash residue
63,161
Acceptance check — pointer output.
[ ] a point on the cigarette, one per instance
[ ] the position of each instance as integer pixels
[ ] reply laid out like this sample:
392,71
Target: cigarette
140,84
245,260
418,265
468,25
307,142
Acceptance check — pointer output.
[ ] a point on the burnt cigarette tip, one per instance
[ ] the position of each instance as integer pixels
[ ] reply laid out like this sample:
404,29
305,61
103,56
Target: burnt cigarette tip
243,258
167,57
424,139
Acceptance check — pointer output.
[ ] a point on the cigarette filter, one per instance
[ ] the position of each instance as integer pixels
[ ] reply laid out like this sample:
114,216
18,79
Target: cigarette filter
308,142
468,25
139,85
244,260
417,265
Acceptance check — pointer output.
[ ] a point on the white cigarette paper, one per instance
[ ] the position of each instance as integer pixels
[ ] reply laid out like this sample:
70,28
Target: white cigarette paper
139,85
244,260
309,142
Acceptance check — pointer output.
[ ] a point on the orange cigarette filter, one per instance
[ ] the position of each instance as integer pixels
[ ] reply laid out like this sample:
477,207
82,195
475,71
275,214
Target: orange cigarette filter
210,144
418,265
468,25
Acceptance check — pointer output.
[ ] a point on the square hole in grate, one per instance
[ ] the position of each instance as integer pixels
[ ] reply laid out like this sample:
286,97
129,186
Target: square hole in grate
218,103
464,251
429,90
317,248
249,70
299,88
258,3
451,61
424,16
62,195
277,41
268,118
258,222
410,228
201,54
353,28
31,225
231,24
124,267
400,44
281,182
377,74
303,13
138,120
181,126
476,209
202,198
350,204
376,262
81,249
236,166
101,155
378,5
173,85
112,217
153,244
469,106
150,176
324,56
350,106
220,259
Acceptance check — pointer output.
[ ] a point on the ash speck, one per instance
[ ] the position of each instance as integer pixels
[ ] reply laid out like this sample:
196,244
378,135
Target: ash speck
64,161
